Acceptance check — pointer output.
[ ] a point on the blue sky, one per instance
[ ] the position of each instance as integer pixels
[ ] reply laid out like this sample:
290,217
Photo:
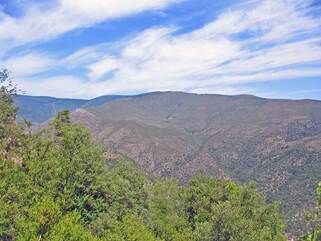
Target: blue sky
88,48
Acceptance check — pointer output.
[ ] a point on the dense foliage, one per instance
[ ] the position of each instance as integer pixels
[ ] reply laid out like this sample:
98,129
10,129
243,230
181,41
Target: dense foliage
56,185
314,219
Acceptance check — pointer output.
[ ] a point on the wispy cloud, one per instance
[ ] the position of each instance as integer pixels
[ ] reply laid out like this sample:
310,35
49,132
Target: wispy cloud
257,41
40,23
28,64
215,56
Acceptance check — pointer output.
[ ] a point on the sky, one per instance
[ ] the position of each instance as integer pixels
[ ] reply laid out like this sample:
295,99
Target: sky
89,48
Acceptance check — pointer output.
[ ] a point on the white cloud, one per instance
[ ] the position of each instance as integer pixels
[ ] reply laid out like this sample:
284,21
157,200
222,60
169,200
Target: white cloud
39,24
60,86
282,43
28,64
102,67
210,57
278,20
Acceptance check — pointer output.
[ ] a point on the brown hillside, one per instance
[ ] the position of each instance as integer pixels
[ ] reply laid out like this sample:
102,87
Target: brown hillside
276,143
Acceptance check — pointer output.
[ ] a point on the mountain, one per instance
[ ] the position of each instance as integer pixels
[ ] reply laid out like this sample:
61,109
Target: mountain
42,108
39,109
276,143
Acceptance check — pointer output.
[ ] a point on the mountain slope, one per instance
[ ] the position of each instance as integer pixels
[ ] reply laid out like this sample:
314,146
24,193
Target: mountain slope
276,143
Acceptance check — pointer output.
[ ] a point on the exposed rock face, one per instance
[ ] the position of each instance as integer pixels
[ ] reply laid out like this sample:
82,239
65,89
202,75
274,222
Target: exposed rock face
276,143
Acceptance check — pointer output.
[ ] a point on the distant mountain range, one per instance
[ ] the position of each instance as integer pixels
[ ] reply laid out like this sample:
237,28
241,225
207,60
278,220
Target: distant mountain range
38,109
276,143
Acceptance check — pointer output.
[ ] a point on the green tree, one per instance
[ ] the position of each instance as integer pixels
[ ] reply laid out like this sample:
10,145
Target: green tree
167,211
314,219
131,228
38,219
7,93
222,211
70,228
9,132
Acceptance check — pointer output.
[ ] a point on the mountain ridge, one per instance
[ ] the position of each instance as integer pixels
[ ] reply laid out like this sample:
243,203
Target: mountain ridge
38,109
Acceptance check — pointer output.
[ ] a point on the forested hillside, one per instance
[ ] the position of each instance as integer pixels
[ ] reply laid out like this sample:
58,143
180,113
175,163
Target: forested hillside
276,143
57,185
